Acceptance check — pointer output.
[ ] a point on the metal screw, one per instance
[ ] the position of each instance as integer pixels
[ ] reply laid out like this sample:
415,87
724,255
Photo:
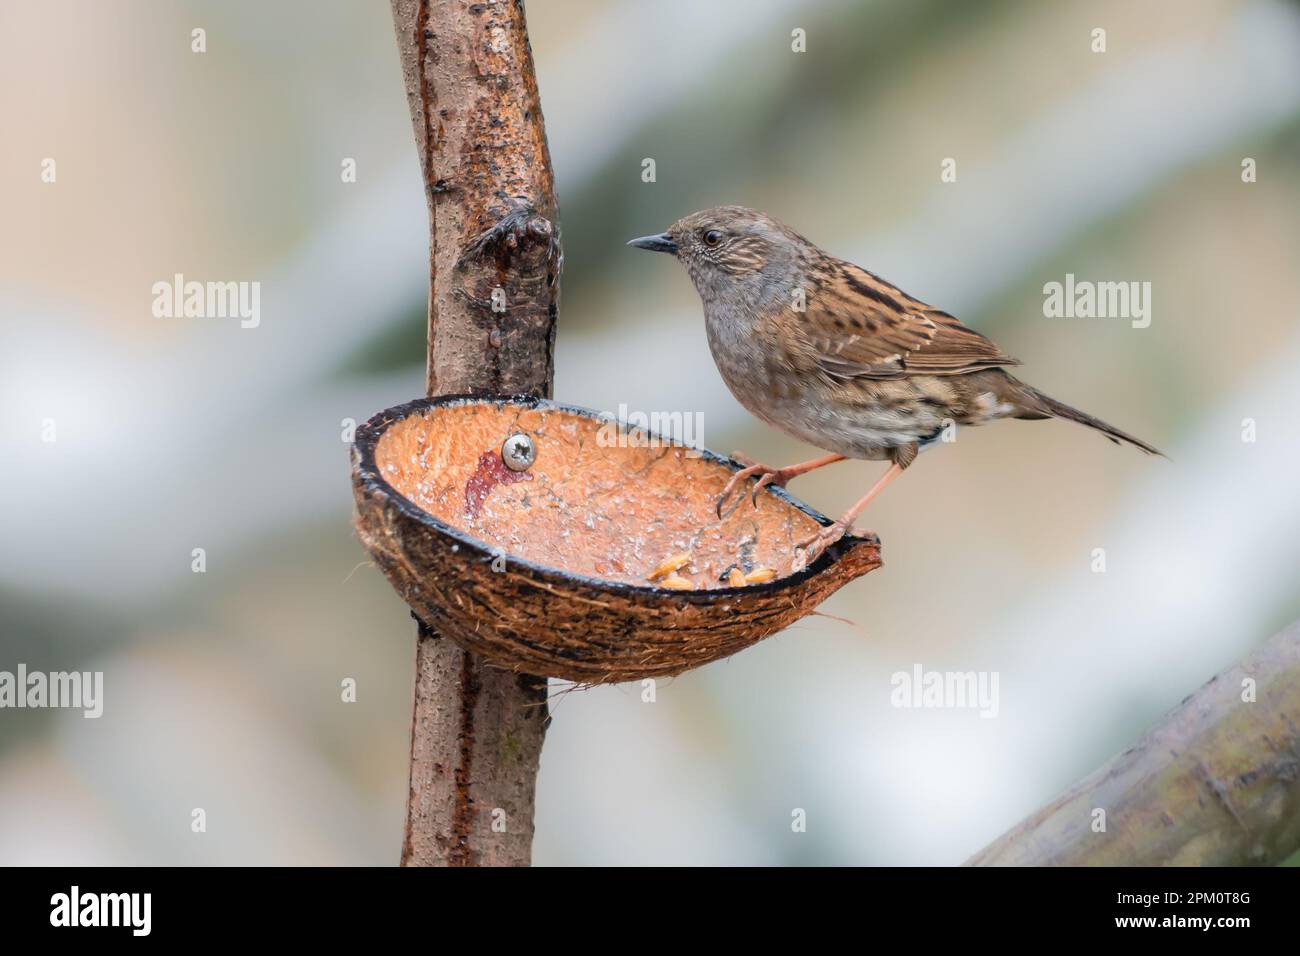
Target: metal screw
519,452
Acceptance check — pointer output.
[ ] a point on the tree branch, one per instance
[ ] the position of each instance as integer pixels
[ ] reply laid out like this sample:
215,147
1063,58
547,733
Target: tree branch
494,266
1217,784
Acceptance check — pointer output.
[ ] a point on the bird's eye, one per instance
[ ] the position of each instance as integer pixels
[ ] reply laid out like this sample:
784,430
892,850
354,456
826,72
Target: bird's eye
712,237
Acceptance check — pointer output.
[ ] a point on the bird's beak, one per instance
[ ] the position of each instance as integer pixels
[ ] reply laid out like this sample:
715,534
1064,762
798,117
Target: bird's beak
660,243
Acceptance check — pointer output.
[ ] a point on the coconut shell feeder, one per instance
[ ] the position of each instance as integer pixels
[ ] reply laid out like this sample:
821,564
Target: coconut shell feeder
535,535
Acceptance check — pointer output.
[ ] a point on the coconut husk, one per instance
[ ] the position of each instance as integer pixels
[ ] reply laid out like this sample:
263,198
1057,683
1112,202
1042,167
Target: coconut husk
546,571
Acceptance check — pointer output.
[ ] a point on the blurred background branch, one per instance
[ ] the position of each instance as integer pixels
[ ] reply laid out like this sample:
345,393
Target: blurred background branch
1216,784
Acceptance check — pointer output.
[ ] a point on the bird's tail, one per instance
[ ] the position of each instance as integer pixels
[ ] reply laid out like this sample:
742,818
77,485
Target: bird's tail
1034,404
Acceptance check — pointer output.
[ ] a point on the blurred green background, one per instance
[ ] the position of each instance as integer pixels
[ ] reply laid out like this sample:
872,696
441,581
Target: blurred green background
223,688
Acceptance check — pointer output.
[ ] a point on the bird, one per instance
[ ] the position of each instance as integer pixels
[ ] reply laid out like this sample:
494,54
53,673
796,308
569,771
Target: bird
835,356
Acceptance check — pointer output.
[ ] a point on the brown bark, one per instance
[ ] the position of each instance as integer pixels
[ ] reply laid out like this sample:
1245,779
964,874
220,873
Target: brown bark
494,265
1217,784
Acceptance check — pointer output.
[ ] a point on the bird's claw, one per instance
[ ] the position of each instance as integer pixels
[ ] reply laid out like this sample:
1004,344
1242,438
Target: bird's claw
768,476
810,548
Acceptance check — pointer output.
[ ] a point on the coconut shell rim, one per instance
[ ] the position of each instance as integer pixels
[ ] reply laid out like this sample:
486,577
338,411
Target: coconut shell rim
367,439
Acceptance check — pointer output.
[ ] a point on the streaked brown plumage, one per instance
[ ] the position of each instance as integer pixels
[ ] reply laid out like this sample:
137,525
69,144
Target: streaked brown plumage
836,356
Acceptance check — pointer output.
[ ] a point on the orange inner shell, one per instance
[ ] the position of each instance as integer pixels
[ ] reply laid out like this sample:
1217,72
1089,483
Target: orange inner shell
597,501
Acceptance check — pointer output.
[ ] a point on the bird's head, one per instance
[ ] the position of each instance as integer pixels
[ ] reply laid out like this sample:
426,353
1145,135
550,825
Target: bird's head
727,250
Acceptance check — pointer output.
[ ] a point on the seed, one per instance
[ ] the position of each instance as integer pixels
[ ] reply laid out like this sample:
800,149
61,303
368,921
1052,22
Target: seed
760,576
677,583
670,565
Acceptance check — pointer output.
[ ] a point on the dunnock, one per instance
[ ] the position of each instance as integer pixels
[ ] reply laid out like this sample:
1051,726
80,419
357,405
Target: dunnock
837,357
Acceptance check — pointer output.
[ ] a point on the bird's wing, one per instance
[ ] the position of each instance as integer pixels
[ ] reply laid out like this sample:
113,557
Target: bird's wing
859,326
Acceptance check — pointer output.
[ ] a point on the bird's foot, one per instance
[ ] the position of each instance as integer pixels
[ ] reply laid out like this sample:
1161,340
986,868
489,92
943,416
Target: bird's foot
767,476
810,548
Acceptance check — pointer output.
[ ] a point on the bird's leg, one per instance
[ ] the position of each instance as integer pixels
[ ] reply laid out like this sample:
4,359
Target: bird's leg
781,475
769,475
815,544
